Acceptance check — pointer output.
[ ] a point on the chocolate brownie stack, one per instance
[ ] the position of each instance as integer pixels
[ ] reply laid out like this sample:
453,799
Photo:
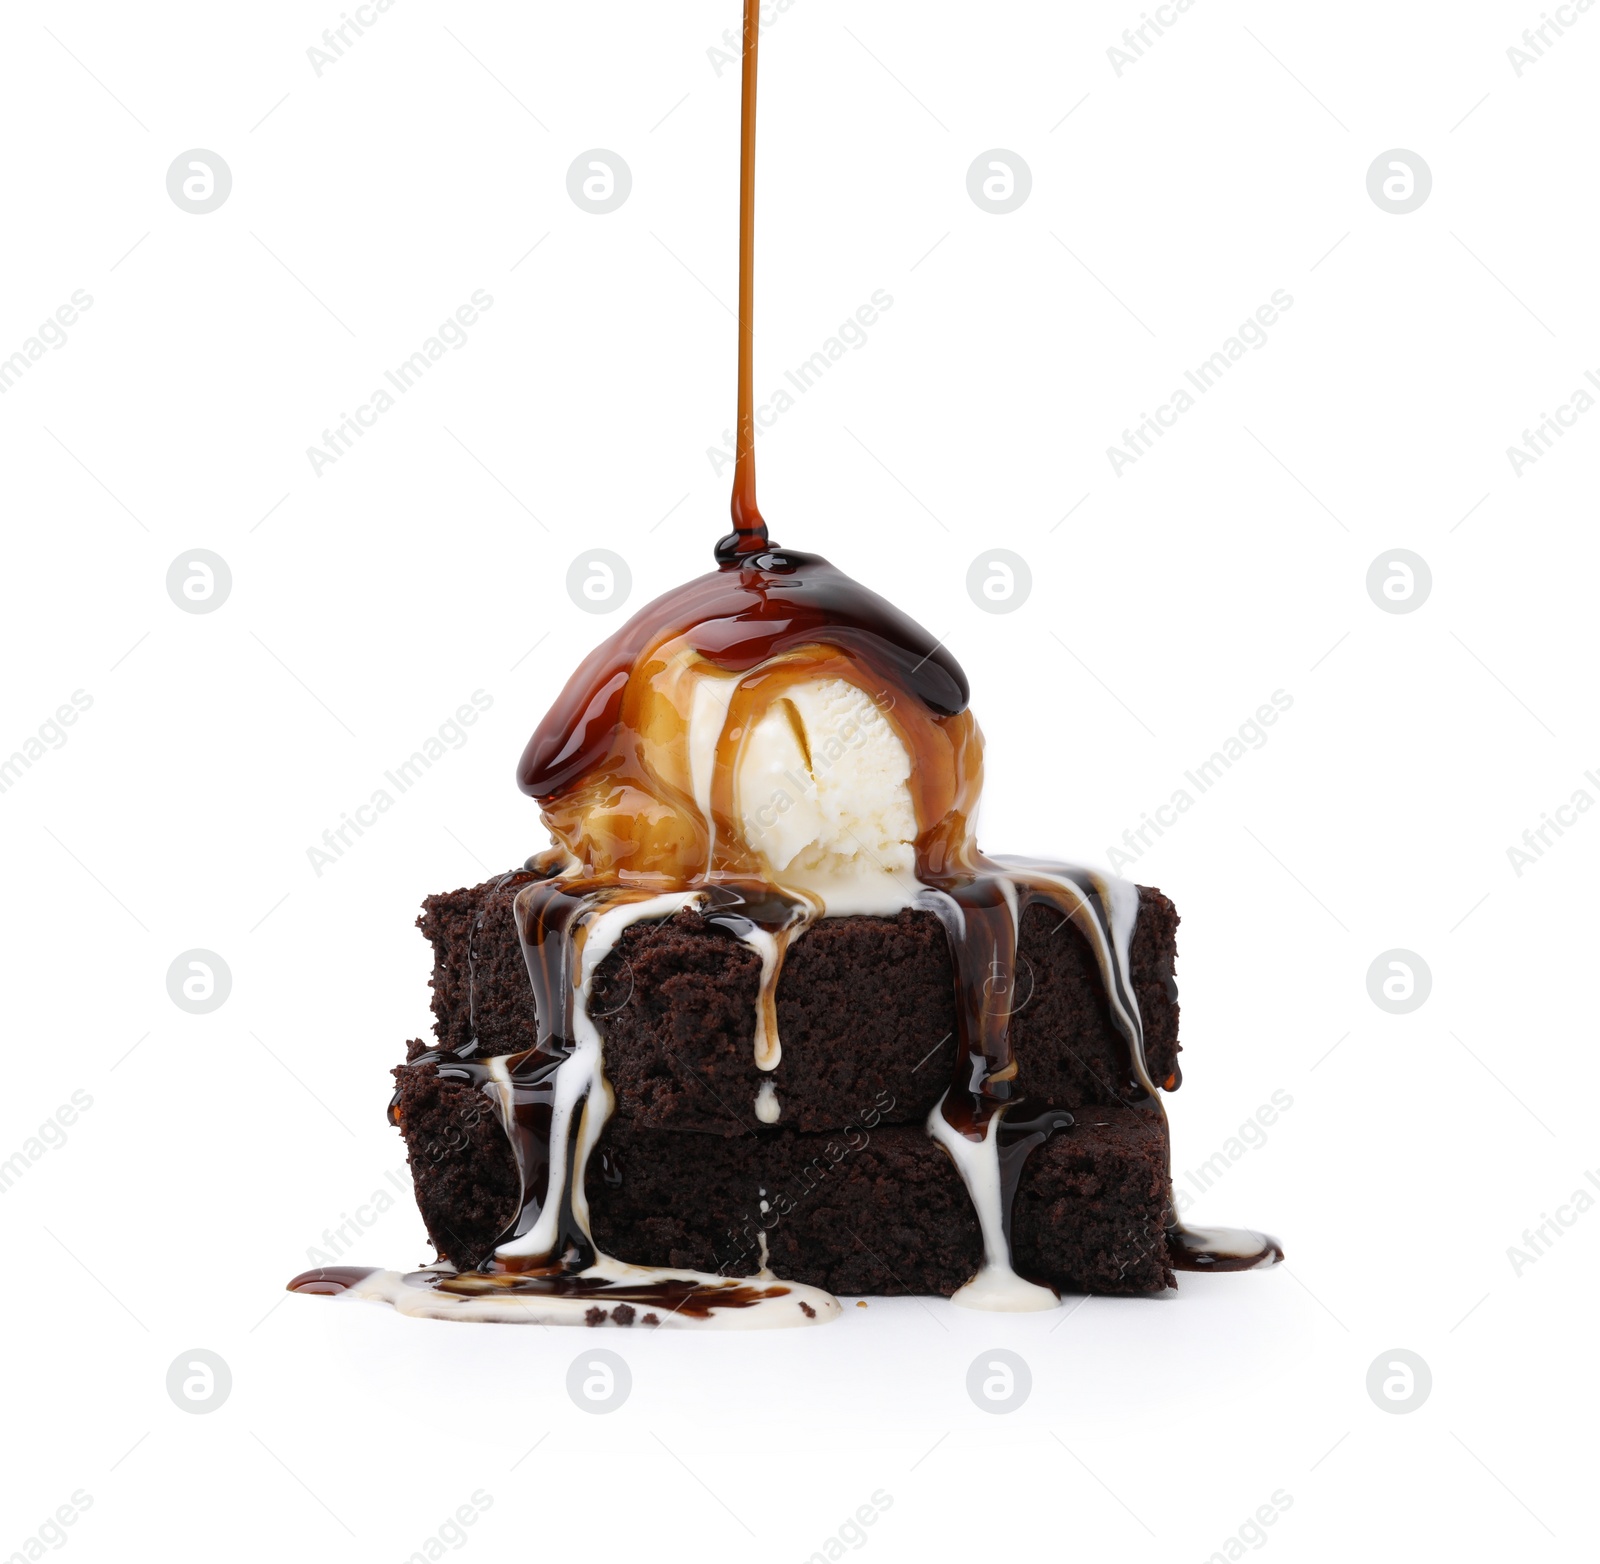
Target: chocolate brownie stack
846,1190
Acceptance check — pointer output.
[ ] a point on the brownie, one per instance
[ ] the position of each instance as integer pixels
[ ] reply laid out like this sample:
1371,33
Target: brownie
462,1169
858,1198
873,1207
506,1022
866,1012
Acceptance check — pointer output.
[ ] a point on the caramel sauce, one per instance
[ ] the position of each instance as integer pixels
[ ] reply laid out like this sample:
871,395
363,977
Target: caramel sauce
749,535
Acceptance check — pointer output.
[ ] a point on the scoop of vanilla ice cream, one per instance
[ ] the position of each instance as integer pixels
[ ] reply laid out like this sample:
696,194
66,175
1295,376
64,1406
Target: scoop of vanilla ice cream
822,792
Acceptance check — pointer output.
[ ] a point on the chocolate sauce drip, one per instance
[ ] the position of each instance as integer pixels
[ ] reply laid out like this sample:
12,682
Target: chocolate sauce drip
522,1086
1019,1139
676,1295
982,913
740,909
548,915
539,867
981,930
330,1280
551,915
745,910
749,535
609,1298
1221,1249
526,1119
759,608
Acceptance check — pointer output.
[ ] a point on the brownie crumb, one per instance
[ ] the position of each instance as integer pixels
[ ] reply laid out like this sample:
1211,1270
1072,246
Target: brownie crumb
462,1168
807,1310
596,1316
650,1319
623,1314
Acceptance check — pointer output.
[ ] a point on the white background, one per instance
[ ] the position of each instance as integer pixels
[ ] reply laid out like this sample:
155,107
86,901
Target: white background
369,602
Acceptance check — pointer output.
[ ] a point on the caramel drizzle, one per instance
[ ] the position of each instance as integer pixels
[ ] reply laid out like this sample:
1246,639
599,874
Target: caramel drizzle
749,535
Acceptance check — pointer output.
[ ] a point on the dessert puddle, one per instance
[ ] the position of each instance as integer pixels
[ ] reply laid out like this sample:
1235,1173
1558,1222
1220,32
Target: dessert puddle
623,1294
770,744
